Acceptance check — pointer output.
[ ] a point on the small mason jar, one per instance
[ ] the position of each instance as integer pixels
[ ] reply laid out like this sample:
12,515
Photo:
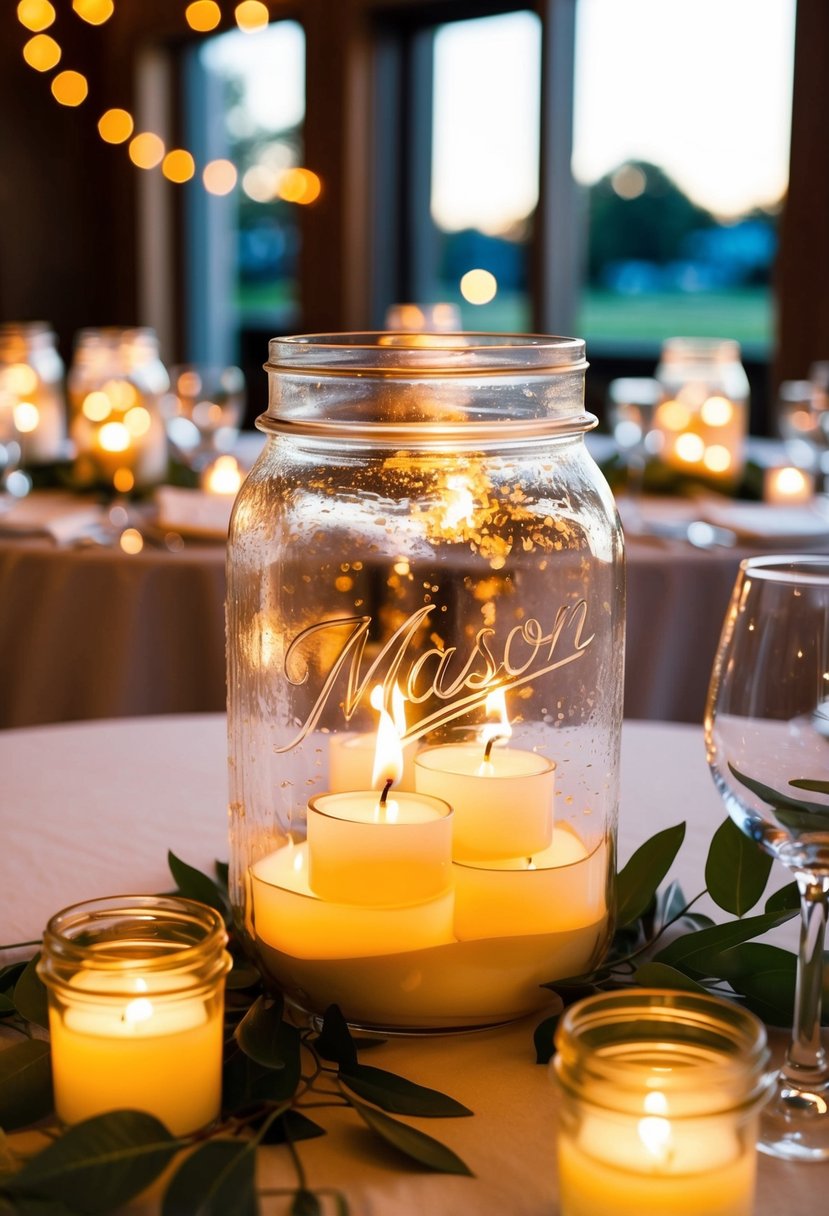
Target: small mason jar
425,645
32,402
701,423
659,1097
136,999
116,383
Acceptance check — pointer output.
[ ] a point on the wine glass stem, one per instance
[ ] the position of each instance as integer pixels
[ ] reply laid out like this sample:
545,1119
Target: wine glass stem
806,1061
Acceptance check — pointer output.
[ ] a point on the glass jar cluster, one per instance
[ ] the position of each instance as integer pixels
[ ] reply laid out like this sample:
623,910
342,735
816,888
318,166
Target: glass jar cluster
425,639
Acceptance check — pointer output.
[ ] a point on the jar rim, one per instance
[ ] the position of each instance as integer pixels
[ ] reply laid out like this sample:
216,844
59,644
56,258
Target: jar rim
77,940
407,353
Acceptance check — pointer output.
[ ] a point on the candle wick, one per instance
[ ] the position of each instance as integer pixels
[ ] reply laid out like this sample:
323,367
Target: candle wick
385,793
488,748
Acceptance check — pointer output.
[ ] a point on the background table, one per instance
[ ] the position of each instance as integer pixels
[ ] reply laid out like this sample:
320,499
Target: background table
91,809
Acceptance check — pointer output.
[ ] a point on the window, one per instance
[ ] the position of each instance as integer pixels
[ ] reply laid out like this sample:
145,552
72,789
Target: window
246,104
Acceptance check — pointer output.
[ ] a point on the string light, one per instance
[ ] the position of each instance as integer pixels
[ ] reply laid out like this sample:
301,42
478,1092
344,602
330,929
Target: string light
146,149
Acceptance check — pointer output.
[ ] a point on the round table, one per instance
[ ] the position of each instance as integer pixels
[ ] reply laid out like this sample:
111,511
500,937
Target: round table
90,809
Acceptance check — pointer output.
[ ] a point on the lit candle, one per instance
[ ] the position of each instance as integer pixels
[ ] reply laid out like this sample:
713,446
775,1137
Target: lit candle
558,890
351,754
659,1095
502,797
788,485
136,1009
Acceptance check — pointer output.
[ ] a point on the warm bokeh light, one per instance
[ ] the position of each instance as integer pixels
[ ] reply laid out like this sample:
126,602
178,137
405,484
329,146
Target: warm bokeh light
792,482
219,176
717,411
70,88
260,183
673,415
131,541
251,15
178,165
42,53
95,12
115,126
19,378
123,480
717,458
629,182
690,448
203,15
96,406
478,286
146,150
114,437
137,421
223,477
301,186
36,15
26,417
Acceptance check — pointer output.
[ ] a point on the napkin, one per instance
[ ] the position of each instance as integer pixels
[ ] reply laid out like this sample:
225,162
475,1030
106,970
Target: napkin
193,512
759,521
60,516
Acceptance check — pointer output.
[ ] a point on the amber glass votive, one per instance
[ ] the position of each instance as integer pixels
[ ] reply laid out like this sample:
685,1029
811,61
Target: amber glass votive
660,1093
136,1000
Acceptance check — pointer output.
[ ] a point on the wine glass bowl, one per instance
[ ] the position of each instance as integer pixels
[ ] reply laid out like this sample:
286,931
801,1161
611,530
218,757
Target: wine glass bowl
767,744
203,411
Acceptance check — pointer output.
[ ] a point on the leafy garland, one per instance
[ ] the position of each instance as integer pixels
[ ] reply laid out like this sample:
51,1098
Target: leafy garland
276,1072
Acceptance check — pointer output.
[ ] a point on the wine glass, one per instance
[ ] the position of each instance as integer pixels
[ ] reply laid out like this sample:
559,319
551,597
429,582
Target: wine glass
767,742
203,411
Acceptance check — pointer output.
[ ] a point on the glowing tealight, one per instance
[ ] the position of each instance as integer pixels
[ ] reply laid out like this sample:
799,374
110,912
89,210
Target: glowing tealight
251,15
203,15
178,165
717,411
26,417
717,458
223,477
690,448
114,437
70,88
131,541
140,1010
96,406
115,126
35,14
146,150
219,176
19,379
42,53
479,286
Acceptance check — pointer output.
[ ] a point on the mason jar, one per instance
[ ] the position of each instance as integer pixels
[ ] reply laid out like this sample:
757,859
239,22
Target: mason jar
136,998
425,625
32,401
701,423
659,1099
116,383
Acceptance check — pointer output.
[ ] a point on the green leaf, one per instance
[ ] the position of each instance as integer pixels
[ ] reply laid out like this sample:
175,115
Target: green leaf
334,1041
640,878
544,1039
659,975
812,784
305,1203
222,875
736,871
266,1038
218,1178
25,1083
670,901
413,1143
30,995
695,952
396,1094
32,1205
98,1165
6,1005
786,898
777,798
9,976
292,1127
192,884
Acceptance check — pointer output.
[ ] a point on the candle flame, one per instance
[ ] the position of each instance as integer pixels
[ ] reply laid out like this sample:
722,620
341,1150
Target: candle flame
654,1130
140,1010
388,754
496,703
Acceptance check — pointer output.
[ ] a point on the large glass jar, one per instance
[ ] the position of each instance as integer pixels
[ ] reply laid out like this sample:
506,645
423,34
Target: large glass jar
425,554
700,426
116,384
31,391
